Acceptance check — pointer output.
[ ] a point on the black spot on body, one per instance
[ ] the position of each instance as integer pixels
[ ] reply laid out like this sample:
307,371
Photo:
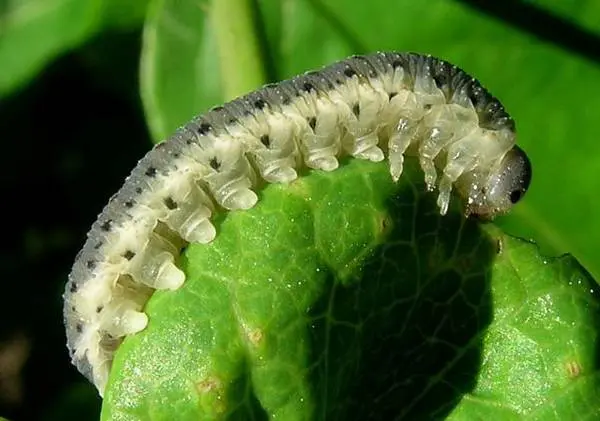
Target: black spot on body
98,245
260,104
129,204
99,309
312,122
265,140
439,82
308,87
151,172
138,190
356,109
91,264
73,287
204,129
392,94
214,163
396,63
442,75
106,227
515,196
79,327
493,108
170,203
129,254
349,72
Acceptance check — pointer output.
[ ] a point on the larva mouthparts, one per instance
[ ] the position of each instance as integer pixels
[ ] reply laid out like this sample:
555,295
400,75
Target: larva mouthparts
375,107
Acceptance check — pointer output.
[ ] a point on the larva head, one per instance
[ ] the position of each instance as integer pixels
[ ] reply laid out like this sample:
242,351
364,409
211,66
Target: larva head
504,187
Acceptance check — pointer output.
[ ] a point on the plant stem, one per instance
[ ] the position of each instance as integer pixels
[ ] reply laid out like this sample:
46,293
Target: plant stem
240,58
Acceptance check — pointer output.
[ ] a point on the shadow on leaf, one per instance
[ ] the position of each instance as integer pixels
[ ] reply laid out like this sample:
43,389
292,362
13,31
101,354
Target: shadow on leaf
403,340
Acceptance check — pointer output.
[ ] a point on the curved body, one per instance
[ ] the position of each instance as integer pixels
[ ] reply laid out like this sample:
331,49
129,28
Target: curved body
377,107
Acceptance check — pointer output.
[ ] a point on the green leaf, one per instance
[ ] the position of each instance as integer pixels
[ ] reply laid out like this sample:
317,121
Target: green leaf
540,351
345,296
33,32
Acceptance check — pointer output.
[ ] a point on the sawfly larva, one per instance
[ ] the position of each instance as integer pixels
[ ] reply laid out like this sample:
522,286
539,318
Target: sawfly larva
374,107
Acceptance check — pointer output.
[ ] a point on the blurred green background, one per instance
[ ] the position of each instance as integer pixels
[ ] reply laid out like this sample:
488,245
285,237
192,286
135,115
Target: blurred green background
82,83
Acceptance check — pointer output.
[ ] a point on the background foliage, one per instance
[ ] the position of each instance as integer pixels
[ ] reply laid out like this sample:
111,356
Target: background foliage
73,125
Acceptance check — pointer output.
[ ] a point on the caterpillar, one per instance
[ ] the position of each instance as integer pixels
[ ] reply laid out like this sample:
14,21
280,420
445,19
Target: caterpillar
380,106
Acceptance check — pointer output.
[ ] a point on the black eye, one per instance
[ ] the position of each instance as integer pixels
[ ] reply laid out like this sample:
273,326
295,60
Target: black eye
515,196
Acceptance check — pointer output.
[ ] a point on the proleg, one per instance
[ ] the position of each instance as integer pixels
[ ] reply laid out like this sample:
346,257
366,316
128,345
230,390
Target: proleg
377,107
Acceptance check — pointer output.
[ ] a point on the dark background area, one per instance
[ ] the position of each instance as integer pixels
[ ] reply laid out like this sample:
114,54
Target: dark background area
69,140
